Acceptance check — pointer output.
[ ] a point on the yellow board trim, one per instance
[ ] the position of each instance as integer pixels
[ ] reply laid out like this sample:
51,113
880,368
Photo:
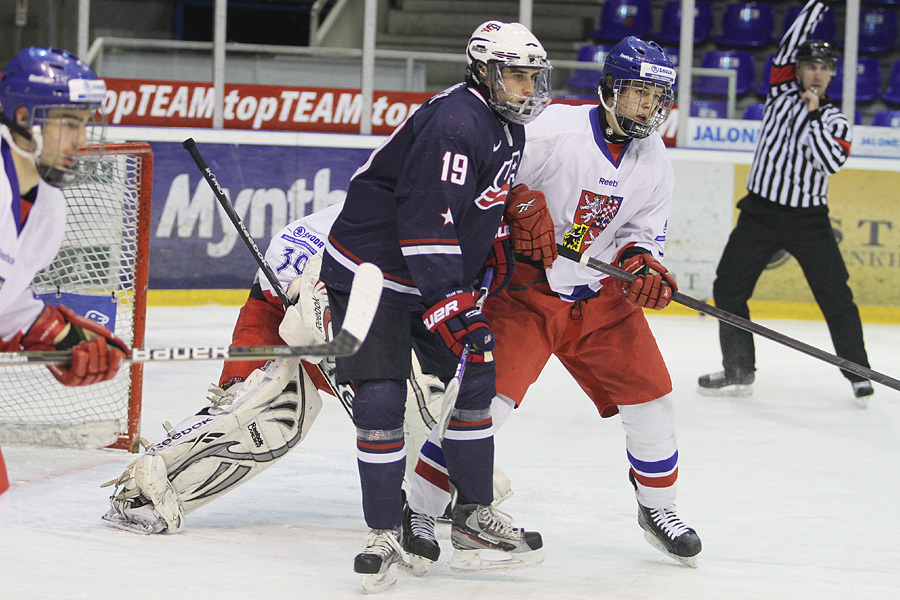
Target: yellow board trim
196,297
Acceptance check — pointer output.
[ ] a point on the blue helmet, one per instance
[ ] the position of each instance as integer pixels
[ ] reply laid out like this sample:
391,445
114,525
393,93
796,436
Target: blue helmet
636,64
44,79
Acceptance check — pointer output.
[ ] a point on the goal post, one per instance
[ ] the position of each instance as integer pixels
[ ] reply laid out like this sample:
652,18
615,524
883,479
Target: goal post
101,271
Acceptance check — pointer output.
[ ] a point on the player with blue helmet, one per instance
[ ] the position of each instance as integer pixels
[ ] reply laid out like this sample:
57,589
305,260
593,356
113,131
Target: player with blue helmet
636,87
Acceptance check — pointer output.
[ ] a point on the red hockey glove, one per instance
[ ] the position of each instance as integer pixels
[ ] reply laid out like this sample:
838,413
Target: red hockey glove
97,353
530,225
456,318
653,286
502,260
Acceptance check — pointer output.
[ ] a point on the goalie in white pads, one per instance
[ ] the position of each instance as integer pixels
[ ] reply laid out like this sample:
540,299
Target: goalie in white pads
258,411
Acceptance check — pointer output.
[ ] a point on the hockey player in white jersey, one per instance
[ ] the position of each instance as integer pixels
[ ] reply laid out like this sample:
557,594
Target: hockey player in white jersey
608,185
50,108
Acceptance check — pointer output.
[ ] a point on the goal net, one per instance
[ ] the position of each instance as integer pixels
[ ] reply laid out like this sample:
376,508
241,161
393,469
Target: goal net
100,272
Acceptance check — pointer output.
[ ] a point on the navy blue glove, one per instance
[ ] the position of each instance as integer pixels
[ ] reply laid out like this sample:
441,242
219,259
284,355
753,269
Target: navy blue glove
457,320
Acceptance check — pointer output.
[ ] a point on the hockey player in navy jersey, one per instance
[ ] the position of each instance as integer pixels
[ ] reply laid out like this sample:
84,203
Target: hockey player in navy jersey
427,208
49,107
603,173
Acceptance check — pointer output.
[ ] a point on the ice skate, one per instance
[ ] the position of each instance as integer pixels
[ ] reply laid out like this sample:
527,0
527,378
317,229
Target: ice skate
726,384
419,540
377,563
477,528
862,390
665,532
144,500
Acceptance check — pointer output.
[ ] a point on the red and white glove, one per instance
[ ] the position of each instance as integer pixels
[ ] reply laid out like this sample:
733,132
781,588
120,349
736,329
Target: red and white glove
653,285
530,225
97,353
503,261
457,320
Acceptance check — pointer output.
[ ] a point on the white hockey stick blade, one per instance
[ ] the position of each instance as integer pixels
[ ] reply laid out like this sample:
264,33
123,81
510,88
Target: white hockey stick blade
364,297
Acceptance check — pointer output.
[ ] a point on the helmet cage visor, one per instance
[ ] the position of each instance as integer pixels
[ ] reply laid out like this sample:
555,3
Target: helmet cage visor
516,107
67,141
641,106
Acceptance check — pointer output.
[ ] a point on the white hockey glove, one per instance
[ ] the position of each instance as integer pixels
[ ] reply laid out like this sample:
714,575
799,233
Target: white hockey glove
308,320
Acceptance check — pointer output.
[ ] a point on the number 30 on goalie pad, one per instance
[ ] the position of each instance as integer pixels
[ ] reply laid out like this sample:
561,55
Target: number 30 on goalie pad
217,450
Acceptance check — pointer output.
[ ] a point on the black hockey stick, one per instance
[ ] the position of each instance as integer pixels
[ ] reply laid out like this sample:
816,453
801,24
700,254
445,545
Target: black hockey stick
364,297
739,322
345,395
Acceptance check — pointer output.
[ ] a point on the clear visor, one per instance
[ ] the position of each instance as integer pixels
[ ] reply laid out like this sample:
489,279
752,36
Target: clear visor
518,94
67,142
641,106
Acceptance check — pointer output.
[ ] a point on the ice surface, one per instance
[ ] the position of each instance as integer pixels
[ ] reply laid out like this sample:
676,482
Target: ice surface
793,490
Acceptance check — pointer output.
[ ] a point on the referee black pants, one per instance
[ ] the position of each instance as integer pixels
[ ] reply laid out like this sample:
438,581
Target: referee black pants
763,228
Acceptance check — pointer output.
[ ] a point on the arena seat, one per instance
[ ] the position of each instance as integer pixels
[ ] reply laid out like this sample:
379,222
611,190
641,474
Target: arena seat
740,60
868,79
621,18
747,25
670,28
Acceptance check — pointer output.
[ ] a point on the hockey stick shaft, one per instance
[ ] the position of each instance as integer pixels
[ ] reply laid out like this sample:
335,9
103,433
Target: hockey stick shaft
219,193
451,392
343,395
364,297
739,322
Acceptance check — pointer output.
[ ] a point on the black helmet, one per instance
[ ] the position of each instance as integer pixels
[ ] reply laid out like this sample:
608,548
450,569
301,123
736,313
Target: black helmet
817,51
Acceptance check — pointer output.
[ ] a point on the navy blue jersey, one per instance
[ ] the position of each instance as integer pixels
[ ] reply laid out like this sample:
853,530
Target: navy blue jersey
426,205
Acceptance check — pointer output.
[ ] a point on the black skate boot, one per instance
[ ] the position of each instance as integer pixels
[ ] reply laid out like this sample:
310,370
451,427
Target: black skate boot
377,563
419,540
667,533
724,383
477,527
862,390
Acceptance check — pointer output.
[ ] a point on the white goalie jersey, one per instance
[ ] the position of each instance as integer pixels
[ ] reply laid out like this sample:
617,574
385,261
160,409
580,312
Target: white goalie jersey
620,201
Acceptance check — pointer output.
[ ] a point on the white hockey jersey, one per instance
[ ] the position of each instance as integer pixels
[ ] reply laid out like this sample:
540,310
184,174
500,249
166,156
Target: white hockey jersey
598,205
24,249
292,247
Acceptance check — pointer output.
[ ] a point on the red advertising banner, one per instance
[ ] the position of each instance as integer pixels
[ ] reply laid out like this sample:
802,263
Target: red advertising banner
149,103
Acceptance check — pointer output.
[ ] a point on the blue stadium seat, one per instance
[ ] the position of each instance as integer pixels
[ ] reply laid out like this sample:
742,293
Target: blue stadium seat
823,31
740,60
892,93
755,112
709,109
877,29
584,78
763,88
868,79
886,118
672,53
747,25
670,29
621,18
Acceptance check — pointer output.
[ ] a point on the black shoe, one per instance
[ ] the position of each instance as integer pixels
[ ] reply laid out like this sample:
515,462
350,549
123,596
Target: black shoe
726,384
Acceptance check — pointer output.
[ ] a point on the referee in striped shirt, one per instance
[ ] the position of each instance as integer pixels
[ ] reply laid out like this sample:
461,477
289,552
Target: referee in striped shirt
804,140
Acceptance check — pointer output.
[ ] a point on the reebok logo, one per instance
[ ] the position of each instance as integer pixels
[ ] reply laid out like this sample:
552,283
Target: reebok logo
254,434
609,182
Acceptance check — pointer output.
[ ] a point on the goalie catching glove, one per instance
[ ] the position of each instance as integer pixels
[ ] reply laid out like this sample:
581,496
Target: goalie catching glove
457,320
653,285
97,353
530,225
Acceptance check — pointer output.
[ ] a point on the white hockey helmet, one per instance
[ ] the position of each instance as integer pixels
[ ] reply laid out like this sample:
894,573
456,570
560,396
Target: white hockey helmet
495,46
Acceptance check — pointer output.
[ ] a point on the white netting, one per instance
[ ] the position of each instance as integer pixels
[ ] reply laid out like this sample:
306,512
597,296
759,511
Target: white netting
98,262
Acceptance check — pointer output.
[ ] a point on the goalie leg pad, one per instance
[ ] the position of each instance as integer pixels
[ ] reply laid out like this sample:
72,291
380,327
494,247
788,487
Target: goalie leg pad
220,448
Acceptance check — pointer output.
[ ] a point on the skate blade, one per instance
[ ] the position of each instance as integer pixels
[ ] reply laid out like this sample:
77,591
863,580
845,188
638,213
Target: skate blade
688,561
863,401
419,565
376,582
472,560
116,520
729,391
